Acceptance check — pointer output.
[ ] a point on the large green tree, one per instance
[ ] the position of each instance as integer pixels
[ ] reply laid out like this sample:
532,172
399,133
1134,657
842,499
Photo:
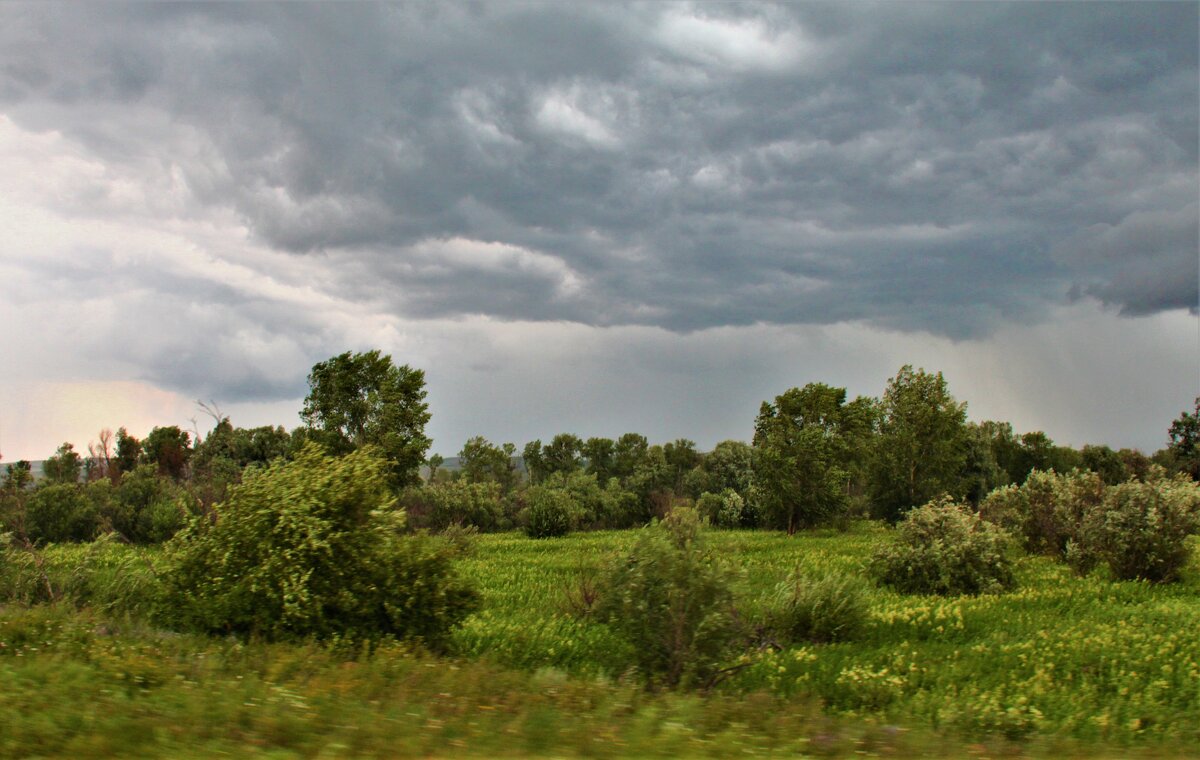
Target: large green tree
728,466
481,461
360,399
681,456
920,452
800,456
629,452
598,453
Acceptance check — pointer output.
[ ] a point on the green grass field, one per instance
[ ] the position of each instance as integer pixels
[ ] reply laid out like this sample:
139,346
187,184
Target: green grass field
1063,666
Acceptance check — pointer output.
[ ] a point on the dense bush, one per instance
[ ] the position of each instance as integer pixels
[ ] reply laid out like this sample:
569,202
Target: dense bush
438,506
941,548
59,512
1140,530
622,507
1046,512
820,608
312,548
145,508
549,512
672,600
724,510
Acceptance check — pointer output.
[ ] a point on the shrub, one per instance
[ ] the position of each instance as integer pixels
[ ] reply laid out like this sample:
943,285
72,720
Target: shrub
1141,529
724,510
312,548
819,608
709,506
941,548
146,507
622,508
549,512
594,507
1047,510
458,502
59,513
672,600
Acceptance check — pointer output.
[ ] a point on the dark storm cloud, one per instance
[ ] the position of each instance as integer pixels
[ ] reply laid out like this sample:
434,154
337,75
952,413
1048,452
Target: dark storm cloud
923,167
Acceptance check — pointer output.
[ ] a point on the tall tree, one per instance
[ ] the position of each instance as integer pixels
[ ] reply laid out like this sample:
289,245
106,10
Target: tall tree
681,456
482,462
563,454
598,453
728,466
64,466
860,425
799,457
1035,451
1184,447
100,456
535,462
18,476
982,472
1106,463
129,451
169,448
359,399
920,451
628,453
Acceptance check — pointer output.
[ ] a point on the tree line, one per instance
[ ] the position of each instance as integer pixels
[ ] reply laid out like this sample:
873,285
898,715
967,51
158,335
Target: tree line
816,457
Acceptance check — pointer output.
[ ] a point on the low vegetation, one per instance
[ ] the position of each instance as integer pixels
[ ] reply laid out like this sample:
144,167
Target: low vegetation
1063,664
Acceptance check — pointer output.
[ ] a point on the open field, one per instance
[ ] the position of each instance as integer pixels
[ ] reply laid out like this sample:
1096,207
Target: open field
1063,666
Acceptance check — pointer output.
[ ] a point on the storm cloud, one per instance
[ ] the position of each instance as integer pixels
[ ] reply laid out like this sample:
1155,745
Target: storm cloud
948,170
683,166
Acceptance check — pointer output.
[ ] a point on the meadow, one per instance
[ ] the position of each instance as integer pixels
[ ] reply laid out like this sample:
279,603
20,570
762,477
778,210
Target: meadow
1065,665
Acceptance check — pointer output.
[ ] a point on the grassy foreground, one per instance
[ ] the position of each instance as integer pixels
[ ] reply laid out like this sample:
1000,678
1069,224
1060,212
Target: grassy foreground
1064,666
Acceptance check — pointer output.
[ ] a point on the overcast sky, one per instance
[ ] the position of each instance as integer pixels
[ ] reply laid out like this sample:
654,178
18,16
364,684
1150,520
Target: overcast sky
598,219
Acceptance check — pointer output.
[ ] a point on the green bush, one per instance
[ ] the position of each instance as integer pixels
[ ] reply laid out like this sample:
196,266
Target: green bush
313,548
596,506
724,510
60,513
709,506
441,505
941,548
549,512
672,600
622,507
145,508
1046,512
1140,530
820,608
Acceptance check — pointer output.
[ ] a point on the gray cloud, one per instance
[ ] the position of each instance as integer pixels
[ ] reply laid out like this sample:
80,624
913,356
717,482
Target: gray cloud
948,169
1146,263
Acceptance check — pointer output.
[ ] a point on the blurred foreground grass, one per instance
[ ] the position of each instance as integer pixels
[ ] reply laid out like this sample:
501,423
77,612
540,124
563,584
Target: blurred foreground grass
1065,666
